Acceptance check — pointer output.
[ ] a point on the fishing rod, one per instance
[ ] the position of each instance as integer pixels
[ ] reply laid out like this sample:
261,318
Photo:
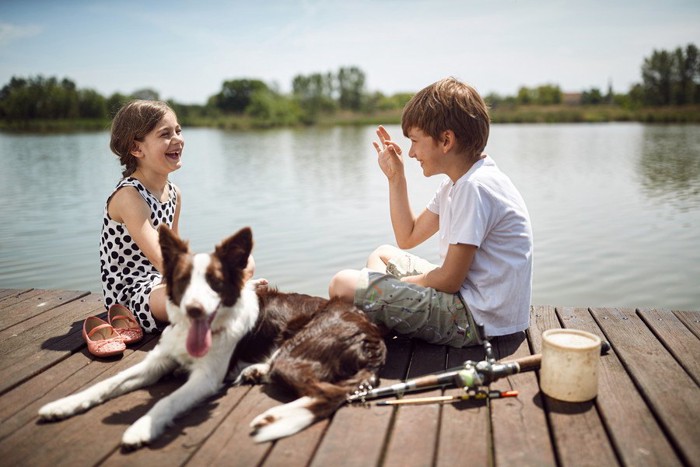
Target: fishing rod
470,394
470,375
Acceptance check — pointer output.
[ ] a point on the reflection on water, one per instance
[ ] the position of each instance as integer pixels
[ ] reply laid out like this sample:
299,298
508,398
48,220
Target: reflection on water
670,165
615,207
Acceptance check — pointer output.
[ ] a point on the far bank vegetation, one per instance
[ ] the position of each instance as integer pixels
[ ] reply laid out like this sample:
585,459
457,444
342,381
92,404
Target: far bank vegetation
669,91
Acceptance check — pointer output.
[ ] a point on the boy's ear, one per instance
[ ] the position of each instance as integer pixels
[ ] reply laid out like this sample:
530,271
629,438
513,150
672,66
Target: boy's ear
448,140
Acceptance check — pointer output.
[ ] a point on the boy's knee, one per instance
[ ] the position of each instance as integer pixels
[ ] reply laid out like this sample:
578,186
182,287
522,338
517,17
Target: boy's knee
343,284
378,259
386,252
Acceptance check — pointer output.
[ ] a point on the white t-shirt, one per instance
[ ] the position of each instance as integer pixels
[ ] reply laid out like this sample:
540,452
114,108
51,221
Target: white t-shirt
483,208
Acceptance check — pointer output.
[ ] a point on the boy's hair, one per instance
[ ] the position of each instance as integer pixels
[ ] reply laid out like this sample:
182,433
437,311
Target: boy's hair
132,123
449,105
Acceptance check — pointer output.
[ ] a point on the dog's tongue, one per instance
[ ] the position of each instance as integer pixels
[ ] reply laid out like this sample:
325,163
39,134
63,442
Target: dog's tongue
199,337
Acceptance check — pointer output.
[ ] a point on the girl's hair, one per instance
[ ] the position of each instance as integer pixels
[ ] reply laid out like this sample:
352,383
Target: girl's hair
449,105
132,123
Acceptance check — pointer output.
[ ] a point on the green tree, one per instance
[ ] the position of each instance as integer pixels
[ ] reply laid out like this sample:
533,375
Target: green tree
351,88
314,93
270,109
91,104
687,75
592,97
39,97
547,94
115,102
525,96
236,95
657,78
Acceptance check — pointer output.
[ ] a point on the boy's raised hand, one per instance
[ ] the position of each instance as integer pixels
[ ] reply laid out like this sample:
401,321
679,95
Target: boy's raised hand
388,154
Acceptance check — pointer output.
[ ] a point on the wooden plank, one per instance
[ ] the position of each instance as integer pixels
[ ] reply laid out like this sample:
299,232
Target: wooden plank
465,435
669,391
32,303
633,430
43,344
576,427
11,293
184,438
178,443
520,431
676,337
691,319
363,429
417,425
296,450
20,405
89,437
230,444
46,330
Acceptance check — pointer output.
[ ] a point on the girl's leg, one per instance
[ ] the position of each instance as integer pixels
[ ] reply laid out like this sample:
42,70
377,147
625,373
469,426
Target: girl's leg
156,302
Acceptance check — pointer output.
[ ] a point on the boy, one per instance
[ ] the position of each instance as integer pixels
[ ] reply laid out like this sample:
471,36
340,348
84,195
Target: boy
483,224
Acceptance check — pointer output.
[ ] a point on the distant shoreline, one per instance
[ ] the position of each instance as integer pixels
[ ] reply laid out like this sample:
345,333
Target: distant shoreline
502,114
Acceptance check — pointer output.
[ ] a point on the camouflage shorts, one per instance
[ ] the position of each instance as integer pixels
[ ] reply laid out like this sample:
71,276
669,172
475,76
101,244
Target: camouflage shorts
415,311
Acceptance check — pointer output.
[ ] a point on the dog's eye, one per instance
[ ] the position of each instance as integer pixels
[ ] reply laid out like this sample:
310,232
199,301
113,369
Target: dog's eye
215,282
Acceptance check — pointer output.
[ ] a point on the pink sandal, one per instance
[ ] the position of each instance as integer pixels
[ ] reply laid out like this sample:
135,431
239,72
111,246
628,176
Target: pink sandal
125,324
102,340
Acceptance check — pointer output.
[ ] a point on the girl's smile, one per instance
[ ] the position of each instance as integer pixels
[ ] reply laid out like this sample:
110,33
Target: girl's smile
161,149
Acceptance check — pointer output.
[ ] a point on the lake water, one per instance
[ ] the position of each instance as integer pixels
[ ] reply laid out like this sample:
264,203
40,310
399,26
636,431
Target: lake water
615,207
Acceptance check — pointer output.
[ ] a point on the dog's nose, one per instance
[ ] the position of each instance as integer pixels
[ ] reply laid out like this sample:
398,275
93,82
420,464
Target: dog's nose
195,310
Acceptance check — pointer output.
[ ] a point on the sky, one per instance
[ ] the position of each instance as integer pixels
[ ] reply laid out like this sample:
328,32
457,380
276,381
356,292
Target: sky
186,49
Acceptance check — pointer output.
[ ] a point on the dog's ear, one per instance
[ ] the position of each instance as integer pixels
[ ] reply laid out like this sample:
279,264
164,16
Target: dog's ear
235,250
171,246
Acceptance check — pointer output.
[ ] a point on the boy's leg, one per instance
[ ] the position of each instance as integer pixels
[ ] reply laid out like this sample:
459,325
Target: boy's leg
378,259
404,264
415,311
343,285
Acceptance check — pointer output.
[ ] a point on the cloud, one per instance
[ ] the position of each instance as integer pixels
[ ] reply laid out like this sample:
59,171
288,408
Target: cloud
12,32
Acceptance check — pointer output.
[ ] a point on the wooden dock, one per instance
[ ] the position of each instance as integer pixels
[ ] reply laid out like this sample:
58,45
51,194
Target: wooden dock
647,411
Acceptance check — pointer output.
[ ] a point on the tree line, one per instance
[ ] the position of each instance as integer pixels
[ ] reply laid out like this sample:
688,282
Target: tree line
669,78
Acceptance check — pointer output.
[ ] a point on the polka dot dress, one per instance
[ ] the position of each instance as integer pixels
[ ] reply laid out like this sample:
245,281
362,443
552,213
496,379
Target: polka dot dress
127,275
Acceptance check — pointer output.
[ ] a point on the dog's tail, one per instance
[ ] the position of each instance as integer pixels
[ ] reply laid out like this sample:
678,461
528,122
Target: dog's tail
321,401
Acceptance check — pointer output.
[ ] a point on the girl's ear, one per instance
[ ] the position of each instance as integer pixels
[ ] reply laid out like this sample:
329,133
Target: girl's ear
136,150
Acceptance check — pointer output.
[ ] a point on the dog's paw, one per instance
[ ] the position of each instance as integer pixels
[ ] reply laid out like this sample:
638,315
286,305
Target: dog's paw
62,408
283,420
141,433
254,374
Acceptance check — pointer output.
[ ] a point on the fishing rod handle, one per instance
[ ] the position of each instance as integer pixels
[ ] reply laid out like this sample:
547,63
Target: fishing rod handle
533,362
529,363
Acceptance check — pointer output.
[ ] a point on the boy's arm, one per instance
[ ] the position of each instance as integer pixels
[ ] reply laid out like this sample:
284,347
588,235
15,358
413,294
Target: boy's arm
409,230
450,276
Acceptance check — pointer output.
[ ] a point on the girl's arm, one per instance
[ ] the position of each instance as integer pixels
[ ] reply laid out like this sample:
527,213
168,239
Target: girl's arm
129,208
450,276
176,217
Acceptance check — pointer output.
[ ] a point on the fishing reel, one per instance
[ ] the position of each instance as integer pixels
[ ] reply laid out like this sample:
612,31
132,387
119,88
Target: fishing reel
468,376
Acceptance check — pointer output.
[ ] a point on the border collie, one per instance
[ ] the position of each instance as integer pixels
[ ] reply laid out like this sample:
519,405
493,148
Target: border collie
321,350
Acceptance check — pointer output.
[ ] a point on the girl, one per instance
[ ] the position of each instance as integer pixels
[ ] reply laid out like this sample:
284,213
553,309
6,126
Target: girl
148,140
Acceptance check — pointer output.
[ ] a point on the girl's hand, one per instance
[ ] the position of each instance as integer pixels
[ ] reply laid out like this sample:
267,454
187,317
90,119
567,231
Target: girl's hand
388,155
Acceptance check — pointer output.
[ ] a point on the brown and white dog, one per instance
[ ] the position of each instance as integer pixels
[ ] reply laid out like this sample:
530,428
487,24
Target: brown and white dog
320,349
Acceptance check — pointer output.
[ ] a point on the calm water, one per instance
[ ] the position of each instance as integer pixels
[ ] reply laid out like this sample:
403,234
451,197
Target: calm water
615,207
